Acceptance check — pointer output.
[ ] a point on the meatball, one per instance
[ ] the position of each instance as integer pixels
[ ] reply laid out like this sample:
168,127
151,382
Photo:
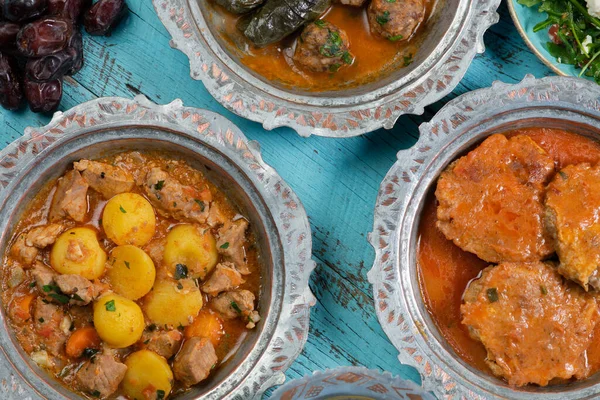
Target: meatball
534,325
322,47
395,20
572,203
490,201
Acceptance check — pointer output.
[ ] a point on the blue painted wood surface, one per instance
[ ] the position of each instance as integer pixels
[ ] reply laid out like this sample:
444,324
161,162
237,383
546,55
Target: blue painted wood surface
337,180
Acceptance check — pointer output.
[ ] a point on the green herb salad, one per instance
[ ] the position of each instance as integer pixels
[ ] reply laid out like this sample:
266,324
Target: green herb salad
573,31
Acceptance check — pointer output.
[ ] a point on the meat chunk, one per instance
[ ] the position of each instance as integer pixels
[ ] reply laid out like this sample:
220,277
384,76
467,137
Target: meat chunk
353,3
156,250
163,343
195,361
70,198
80,290
215,216
173,198
225,277
323,47
43,236
395,20
231,243
234,304
572,202
50,325
104,178
25,254
490,201
43,275
535,325
101,376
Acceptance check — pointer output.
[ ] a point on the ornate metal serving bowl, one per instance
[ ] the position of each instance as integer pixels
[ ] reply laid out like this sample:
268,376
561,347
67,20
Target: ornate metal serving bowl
568,103
453,36
208,142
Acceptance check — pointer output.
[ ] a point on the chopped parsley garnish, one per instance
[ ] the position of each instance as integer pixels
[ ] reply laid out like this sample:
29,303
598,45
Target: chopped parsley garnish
159,185
61,298
181,328
235,306
181,271
122,209
543,290
102,175
334,67
492,295
89,352
395,38
224,245
32,284
160,394
334,46
347,57
151,328
408,60
146,341
95,393
320,23
41,320
563,175
383,18
50,288
77,297
110,305
179,285
200,203
127,264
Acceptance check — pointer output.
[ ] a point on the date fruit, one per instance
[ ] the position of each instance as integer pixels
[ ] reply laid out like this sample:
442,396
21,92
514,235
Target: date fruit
21,10
55,66
43,96
44,37
68,9
104,16
11,95
8,36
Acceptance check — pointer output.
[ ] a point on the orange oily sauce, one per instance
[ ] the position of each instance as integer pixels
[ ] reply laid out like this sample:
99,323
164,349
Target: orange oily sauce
373,55
445,270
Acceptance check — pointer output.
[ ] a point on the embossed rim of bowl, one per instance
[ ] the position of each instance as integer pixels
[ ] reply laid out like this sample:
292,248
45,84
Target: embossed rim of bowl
563,102
240,92
207,138
353,382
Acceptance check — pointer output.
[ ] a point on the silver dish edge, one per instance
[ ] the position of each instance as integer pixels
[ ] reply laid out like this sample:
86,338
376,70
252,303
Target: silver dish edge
460,124
327,116
212,130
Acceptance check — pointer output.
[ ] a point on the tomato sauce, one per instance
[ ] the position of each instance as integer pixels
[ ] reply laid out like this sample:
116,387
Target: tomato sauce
374,56
445,270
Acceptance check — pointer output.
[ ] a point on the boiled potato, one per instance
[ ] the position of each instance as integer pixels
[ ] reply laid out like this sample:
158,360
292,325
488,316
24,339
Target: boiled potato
193,249
128,218
77,251
118,321
131,272
147,373
173,302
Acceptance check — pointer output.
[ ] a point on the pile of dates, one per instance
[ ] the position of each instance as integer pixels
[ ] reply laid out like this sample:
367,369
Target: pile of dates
40,43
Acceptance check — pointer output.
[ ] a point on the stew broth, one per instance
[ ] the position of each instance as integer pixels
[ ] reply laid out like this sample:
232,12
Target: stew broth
374,56
63,367
444,270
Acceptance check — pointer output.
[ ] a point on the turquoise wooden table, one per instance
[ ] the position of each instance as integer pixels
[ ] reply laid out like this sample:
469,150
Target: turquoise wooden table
337,180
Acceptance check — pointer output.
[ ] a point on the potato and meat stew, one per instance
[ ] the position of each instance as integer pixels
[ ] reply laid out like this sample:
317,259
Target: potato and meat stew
131,276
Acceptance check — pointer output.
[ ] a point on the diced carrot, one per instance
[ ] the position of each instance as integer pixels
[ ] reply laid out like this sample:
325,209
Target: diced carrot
21,306
81,339
206,325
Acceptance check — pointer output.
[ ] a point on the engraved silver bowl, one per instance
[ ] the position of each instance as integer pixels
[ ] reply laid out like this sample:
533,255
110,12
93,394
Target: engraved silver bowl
207,141
558,102
453,36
